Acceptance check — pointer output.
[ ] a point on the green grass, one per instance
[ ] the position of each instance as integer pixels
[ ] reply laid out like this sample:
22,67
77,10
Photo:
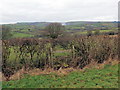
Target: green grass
91,78
106,30
57,54
21,35
101,31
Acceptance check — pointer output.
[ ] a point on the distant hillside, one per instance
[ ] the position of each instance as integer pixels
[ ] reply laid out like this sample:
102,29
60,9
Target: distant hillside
35,29
86,22
80,23
73,23
40,24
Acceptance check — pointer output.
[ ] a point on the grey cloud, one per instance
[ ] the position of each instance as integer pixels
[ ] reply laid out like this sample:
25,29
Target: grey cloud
58,10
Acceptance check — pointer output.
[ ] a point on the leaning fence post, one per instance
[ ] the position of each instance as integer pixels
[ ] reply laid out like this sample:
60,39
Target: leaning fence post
73,51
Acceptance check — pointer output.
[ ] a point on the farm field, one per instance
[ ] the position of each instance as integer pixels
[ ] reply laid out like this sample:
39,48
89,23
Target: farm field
34,29
106,77
21,35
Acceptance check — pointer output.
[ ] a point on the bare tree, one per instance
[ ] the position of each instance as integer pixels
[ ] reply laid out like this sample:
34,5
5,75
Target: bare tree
54,30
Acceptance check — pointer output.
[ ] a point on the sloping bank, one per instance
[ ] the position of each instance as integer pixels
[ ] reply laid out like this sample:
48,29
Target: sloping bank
106,77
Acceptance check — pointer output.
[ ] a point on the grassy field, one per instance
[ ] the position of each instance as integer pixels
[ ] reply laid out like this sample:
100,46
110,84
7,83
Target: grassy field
20,35
101,31
90,78
26,33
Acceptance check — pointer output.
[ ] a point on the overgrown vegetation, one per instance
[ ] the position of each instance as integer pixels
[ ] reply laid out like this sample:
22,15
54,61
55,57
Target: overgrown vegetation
41,53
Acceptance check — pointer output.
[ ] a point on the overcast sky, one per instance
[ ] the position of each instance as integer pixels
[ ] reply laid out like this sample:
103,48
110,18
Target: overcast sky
58,10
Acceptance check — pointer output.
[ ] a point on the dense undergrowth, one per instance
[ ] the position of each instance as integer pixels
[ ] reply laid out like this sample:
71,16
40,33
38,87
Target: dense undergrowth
30,53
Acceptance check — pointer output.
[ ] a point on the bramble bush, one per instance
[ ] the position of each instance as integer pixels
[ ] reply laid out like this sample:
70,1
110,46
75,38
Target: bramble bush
29,53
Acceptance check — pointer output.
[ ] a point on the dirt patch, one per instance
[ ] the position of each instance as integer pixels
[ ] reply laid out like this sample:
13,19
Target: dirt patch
100,66
2,78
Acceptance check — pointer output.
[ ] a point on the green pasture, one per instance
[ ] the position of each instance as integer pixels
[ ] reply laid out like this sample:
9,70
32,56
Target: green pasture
15,34
90,78
85,32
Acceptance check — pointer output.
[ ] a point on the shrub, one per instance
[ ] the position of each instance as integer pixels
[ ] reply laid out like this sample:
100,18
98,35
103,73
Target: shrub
29,53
